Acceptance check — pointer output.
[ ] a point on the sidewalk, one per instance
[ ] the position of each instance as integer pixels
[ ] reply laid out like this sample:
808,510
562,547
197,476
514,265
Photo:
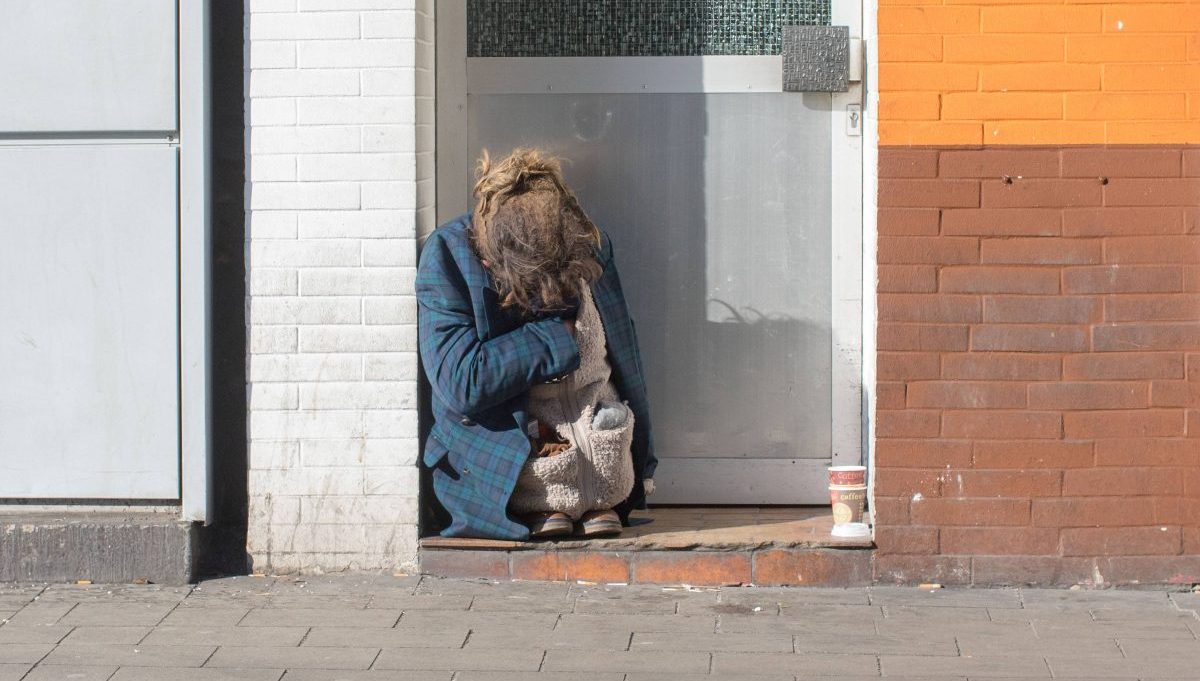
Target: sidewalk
363,627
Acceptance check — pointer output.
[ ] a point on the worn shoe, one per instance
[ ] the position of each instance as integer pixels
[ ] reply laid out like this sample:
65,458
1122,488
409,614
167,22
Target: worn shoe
599,524
543,525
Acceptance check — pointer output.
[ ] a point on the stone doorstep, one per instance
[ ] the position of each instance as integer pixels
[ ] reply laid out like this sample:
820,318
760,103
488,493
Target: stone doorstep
683,545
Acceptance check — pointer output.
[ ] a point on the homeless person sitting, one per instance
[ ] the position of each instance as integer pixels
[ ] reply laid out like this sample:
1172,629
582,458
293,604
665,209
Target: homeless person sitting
541,424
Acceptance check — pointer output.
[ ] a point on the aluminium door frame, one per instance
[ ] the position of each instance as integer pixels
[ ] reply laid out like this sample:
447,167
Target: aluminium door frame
457,75
195,244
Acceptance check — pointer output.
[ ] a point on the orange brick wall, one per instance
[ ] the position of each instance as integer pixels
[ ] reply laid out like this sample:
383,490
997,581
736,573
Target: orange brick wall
1038,396
1052,72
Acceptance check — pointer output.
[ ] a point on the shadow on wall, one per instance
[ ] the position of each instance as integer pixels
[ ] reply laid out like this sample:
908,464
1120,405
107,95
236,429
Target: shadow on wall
719,214
223,544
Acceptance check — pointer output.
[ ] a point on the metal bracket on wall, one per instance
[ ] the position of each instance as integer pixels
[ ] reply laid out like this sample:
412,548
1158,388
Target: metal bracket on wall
816,58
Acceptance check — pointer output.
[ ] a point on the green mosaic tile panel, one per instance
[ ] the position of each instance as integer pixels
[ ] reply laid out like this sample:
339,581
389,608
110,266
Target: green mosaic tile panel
632,28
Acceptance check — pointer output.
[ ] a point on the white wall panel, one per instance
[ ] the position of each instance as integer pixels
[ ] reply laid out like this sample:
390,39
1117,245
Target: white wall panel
87,65
89,367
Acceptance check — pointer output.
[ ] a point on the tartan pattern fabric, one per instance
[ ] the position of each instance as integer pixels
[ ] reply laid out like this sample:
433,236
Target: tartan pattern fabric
481,361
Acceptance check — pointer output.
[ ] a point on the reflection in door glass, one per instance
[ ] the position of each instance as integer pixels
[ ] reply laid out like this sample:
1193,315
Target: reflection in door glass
719,210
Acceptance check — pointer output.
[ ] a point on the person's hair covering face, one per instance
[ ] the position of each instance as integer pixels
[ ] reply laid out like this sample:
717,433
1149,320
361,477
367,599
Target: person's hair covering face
529,230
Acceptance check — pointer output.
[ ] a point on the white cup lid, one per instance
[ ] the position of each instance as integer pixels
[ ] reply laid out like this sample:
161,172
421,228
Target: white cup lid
851,530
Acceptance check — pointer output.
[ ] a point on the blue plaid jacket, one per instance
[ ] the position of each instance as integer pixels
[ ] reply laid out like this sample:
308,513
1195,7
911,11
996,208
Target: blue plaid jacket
481,361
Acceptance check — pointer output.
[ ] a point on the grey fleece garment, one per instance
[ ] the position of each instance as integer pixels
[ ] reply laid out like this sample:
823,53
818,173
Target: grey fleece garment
596,472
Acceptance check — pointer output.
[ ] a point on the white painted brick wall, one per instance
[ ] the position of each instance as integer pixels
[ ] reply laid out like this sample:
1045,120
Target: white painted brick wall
340,172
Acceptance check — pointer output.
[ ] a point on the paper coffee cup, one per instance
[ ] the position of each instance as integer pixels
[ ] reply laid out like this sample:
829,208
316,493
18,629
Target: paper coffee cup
848,475
847,502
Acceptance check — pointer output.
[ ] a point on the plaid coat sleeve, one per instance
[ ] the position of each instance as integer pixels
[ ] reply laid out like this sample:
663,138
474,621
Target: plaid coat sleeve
471,374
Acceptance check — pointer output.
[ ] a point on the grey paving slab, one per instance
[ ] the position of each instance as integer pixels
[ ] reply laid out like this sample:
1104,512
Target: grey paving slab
368,627
1189,601
764,623
1012,665
835,614
1148,648
520,604
644,600
631,623
783,595
12,671
926,614
974,645
41,613
235,584
84,654
470,587
906,629
869,643
353,583
333,602
581,639
399,637
117,614
1167,629
409,602
1070,616
195,674
969,598
1173,667
291,657
15,596
430,619
228,636
388,675
186,616
114,593
483,659
37,633
1139,615
813,664
541,676
619,606
123,635
1035,598
71,673
313,617
633,661
750,643
712,677
23,653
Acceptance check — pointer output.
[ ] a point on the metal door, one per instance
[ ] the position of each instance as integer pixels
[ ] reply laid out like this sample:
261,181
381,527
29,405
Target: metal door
101,250
734,207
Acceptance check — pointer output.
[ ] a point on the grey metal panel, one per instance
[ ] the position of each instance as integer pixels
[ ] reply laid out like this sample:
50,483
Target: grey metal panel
719,206
195,287
89,401
87,65
816,58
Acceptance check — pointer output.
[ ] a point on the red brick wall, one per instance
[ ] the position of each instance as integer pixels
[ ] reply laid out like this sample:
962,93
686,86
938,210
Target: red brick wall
1038,397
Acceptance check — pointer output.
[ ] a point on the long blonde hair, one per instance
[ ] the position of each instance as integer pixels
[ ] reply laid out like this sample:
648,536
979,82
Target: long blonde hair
530,231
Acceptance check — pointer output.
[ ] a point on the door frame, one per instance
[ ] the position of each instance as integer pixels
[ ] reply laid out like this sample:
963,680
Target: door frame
195,246
851,294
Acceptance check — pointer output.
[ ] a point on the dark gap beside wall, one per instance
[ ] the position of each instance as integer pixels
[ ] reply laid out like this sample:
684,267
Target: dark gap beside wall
223,543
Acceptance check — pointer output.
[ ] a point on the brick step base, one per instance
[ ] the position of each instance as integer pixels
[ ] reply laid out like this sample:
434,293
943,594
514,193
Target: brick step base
700,545
800,566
